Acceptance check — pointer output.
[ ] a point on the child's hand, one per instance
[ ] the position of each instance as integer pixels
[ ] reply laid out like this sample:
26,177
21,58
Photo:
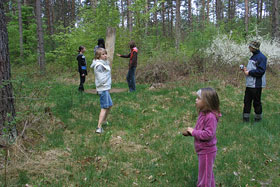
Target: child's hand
118,54
190,130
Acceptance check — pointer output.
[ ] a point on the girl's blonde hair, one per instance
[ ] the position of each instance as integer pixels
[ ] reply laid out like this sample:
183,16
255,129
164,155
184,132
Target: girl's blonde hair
210,100
99,52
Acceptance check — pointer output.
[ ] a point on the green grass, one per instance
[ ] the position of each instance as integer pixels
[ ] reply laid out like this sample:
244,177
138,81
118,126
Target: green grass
143,144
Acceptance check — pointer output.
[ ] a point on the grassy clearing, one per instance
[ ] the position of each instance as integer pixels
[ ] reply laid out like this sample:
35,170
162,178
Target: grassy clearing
143,144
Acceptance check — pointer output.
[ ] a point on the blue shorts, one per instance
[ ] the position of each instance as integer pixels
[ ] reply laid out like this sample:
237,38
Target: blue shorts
105,99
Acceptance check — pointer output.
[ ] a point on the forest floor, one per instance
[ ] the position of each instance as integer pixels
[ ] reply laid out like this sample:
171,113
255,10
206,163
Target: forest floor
143,143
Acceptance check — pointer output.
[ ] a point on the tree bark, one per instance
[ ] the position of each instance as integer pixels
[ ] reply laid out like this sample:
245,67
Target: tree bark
177,24
163,18
261,10
73,10
129,16
246,16
172,18
190,12
219,10
146,20
275,19
203,11
7,109
20,29
122,13
40,35
110,43
207,10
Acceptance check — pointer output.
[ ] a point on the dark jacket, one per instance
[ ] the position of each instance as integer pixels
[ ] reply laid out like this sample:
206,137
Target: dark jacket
256,67
133,57
82,64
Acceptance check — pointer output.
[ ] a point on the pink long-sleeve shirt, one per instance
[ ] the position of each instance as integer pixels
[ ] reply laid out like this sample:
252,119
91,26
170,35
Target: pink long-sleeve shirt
204,133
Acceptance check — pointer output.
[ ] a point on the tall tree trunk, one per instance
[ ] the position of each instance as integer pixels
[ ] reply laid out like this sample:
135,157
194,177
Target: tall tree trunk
48,15
155,18
246,16
275,19
7,109
129,16
177,24
73,10
219,10
122,13
163,18
172,18
20,29
261,10
147,20
207,10
110,43
203,11
231,9
41,55
190,12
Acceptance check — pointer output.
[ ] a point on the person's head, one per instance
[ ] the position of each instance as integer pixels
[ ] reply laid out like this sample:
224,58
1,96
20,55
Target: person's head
207,100
254,46
101,54
101,43
81,49
132,44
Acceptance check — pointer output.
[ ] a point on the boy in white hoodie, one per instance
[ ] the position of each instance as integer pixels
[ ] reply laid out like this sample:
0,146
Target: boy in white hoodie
102,72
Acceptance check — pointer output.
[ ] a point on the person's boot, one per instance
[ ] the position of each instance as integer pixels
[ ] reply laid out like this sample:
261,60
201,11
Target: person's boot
246,117
258,117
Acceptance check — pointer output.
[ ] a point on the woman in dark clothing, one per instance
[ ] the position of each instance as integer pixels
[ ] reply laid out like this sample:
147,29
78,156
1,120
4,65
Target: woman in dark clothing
100,44
82,67
132,65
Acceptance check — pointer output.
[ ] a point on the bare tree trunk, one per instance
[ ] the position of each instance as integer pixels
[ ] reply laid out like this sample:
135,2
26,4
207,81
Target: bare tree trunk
110,43
129,16
20,29
246,16
261,9
203,11
146,21
163,18
190,12
172,18
219,11
275,19
177,24
7,109
41,55
207,10
48,15
73,8
122,13
155,18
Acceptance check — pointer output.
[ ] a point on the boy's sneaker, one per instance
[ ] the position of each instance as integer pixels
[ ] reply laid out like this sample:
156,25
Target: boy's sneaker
99,130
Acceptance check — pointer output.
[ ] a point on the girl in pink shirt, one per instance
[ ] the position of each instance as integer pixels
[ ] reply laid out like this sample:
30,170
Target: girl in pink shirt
204,133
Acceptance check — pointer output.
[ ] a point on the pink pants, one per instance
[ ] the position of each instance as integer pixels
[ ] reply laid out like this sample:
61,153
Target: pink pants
205,170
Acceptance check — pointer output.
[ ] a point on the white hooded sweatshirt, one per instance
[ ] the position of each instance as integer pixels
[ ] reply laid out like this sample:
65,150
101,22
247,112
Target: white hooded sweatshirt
102,72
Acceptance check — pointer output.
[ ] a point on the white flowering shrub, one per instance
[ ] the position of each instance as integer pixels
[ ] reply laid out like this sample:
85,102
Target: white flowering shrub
226,51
